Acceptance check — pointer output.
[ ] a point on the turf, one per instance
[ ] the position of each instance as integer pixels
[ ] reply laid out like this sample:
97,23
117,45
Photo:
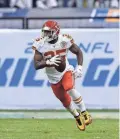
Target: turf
57,129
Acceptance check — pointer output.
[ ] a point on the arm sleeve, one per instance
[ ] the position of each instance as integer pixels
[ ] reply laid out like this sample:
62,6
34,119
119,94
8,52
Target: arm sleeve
36,45
69,40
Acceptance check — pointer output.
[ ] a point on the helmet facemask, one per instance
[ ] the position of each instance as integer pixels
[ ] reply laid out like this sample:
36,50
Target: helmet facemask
49,35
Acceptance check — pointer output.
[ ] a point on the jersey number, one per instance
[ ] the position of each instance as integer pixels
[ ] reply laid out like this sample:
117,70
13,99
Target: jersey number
49,54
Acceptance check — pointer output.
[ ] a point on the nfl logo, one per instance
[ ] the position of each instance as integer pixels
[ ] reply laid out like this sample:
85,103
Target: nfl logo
63,44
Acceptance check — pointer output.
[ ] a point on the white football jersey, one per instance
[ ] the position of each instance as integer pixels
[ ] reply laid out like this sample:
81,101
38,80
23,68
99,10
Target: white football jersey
48,50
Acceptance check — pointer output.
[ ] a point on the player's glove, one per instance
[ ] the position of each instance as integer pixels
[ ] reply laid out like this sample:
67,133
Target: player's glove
78,72
54,61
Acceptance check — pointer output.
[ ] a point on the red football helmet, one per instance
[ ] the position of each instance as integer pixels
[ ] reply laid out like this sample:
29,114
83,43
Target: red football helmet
50,30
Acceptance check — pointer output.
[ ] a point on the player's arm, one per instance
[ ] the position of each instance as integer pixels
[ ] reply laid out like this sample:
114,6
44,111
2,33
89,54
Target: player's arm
77,51
39,62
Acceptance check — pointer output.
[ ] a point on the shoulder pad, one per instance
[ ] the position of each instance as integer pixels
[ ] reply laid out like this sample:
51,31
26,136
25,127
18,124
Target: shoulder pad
68,37
38,43
39,39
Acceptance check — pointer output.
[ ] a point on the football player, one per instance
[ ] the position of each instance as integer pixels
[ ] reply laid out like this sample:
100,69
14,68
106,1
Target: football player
48,49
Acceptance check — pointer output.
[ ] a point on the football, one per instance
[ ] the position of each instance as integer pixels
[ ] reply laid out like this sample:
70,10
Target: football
62,65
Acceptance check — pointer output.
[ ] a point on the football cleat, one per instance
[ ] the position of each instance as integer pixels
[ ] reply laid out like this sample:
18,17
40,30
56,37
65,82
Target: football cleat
80,122
87,117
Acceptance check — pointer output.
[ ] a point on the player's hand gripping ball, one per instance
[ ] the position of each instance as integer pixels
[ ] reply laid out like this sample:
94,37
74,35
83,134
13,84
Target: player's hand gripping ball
62,65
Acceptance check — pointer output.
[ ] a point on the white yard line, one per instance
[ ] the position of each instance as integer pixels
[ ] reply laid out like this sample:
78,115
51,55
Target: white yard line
56,115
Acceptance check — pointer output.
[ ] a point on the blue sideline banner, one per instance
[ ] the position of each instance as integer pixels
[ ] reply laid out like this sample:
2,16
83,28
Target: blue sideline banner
21,87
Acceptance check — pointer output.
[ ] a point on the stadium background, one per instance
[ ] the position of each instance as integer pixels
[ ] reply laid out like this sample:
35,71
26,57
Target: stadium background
25,93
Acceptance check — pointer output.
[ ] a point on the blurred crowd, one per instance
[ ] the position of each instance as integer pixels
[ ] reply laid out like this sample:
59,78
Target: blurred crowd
46,4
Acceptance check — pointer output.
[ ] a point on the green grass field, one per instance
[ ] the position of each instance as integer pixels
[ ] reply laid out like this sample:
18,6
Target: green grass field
57,129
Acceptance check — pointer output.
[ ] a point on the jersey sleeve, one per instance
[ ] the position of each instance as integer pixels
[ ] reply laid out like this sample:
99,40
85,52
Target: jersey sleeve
37,44
69,40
